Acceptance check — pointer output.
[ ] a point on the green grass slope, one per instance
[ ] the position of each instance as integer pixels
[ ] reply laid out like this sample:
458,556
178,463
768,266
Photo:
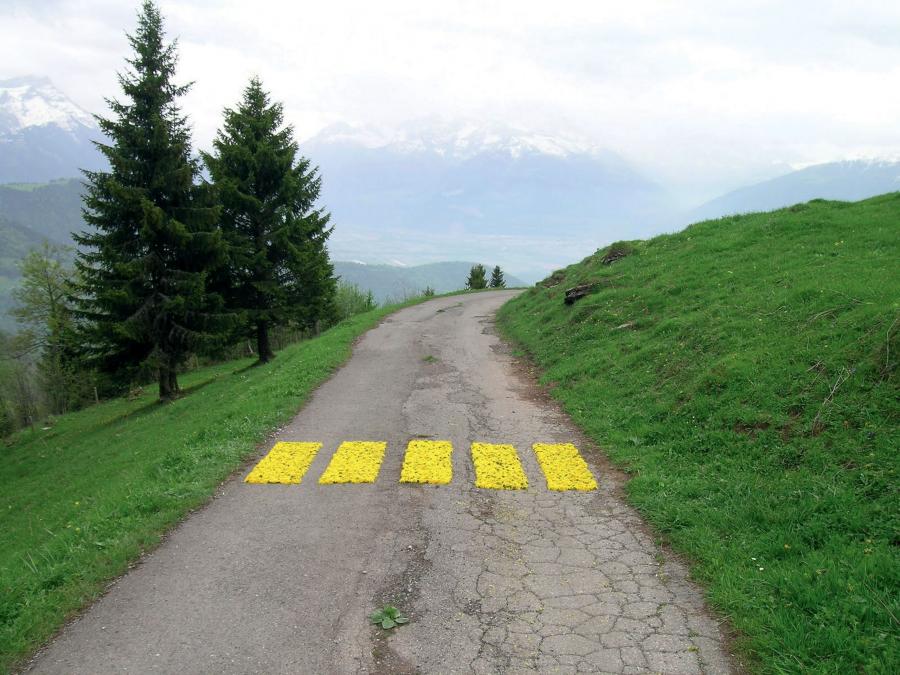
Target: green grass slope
80,500
743,372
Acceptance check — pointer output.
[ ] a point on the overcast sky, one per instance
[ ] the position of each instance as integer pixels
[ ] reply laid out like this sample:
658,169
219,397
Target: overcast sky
704,96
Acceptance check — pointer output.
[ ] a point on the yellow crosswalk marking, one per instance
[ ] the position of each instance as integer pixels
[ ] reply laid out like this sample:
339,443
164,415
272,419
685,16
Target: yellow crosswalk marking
564,467
355,462
427,462
497,467
285,463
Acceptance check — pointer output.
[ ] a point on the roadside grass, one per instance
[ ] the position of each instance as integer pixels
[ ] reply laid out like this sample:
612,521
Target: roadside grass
743,372
81,500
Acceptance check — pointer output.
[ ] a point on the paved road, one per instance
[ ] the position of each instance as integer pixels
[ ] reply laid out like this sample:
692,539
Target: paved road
280,578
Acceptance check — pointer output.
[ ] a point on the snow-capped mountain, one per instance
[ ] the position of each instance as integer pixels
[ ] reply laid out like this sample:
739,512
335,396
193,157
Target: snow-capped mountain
35,102
475,191
43,134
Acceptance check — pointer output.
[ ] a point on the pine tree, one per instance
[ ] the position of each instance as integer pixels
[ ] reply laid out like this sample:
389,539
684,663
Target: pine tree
497,280
145,264
278,270
477,277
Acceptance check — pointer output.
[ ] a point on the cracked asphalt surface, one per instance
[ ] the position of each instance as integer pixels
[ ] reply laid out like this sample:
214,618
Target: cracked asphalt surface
281,578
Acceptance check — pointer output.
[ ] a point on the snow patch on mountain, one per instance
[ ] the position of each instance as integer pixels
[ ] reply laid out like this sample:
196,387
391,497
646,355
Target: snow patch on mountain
35,102
457,140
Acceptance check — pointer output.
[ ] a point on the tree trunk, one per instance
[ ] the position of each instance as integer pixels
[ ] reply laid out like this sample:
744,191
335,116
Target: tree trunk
168,381
263,347
165,391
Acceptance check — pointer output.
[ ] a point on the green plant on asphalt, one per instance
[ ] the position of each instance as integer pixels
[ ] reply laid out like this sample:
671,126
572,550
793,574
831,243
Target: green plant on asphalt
388,617
744,373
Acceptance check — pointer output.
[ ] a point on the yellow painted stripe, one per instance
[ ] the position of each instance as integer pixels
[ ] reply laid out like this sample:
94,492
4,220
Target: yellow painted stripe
564,467
427,462
497,467
355,462
286,463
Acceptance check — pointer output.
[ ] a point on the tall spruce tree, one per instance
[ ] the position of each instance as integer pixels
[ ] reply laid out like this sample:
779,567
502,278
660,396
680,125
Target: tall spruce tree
145,264
497,279
278,270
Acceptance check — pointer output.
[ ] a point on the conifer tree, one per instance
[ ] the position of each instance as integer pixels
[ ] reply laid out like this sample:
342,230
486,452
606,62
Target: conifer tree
497,280
477,277
278,271
145,264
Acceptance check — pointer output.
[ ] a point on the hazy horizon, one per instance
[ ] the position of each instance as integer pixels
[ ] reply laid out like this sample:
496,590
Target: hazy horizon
693,100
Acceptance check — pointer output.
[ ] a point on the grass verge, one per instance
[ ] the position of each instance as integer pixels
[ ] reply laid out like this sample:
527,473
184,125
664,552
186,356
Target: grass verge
81,500
743,372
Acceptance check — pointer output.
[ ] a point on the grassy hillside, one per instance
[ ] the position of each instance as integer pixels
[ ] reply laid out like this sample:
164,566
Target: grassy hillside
78,501
744,373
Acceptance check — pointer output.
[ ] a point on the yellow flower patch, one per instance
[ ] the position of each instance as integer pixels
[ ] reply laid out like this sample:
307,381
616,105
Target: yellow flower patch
497,467
355,462
564,467
286,463
427,462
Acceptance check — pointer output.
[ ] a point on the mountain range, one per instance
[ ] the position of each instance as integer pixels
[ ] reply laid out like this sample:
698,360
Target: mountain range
846,181
441,190
430,192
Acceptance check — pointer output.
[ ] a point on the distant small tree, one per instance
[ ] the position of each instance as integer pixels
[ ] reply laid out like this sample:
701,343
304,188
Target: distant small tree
477,278
43,307
497,280
428,292
350,300
278,270
41,302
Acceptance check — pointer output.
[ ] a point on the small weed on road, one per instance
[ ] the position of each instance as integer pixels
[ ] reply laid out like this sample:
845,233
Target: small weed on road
388,617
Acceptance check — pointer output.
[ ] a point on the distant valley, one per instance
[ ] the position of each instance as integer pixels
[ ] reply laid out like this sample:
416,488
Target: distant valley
392,282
